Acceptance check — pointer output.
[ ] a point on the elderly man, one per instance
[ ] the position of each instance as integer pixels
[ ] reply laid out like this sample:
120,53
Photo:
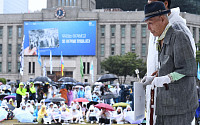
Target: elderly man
177,23
175,93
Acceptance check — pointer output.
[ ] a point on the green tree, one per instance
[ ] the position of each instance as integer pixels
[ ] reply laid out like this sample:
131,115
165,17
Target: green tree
3,80
124,65
198,53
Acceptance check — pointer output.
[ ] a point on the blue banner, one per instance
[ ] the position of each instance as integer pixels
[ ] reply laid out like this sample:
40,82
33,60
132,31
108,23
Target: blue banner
70,37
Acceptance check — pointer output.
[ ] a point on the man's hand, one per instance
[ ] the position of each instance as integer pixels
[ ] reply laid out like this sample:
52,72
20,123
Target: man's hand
159,81
147,80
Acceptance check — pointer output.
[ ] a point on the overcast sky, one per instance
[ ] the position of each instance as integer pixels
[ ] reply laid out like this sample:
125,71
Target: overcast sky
35,5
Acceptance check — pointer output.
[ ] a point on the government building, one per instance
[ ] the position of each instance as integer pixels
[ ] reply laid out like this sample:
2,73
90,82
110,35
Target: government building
117,32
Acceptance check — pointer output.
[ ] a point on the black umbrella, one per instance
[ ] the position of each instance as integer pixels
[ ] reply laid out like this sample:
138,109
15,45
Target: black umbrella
90,103
67,79
108,96
86,84
56,99
107,77
79,83
42,79
3,95
11,83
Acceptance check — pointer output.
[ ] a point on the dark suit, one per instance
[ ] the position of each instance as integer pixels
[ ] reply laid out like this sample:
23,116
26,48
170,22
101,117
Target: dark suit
177,55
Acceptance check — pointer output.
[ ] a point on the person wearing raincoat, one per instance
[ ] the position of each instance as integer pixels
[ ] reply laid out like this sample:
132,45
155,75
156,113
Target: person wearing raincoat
35,114
63,92
178,23
91,115
69,96
11,102
65,115
32,91
41,114
81,93
21,91
56,114
118,116
88,94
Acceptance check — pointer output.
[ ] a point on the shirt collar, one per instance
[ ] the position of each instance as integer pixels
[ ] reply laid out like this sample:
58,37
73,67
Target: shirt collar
162,36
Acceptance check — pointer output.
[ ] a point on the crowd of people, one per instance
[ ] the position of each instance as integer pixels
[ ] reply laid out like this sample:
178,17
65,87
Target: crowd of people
33,100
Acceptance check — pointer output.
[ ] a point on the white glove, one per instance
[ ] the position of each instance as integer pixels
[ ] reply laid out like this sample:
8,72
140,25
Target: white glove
147,80
159,81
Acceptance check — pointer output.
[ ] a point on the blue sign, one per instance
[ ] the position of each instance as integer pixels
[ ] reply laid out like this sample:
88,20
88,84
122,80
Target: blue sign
70,37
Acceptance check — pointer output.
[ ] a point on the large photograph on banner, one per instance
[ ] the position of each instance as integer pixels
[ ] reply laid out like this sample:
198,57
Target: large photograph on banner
70,37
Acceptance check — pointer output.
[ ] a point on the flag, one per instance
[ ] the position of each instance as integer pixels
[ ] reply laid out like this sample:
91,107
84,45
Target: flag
198,72
39,57
50,63
92,71
22,57
61,63
81,67
44,69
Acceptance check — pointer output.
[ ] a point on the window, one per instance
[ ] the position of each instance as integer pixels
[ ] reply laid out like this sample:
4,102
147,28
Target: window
112,49
0,49
63,2
33,68
122,49
199,34
102,49
194,33
67,1
133,48
102,31
143,49
143,31
83,67
59,3
0,66
29,67
19,30
122,31
74,2
10,32
18,48
9,49
9,67
112,31
133,31
18,66
88,67
1,32
71,3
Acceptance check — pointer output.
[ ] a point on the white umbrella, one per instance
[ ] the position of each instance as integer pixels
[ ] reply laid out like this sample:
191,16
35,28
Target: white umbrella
98,83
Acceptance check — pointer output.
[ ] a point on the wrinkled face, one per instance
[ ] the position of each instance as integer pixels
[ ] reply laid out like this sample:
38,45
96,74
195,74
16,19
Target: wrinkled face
154,25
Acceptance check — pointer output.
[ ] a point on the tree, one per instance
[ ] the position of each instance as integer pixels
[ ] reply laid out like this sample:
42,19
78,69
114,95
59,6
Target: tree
3,80
124,65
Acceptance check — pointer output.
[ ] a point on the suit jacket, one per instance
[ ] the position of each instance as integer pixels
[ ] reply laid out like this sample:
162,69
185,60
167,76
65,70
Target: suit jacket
177,55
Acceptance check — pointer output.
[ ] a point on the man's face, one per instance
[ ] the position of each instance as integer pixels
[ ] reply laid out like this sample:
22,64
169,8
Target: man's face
149,1
154,25
21,86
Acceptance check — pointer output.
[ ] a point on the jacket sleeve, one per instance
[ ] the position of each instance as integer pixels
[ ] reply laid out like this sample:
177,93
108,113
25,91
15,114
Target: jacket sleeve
23,92
184,60
32,89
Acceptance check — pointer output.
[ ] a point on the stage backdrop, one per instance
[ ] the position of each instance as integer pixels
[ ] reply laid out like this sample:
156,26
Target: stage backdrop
70,37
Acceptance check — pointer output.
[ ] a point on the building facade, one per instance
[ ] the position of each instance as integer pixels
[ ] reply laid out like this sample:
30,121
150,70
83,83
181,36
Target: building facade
117,32
13,6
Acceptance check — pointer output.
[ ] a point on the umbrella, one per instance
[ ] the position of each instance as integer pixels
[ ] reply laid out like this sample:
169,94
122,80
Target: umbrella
10,107
67,79
90,103
103,105
3,95
56,99
9,97
79,83
86,84
11,83
68,83
108,96
47,101
42,79
80,100
107,77
122,104
3,114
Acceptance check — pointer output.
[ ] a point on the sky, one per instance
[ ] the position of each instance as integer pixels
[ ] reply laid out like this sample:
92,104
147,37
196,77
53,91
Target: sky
35,5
